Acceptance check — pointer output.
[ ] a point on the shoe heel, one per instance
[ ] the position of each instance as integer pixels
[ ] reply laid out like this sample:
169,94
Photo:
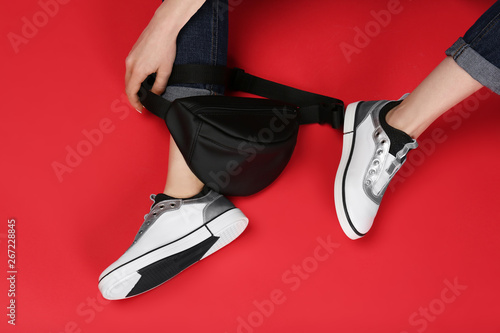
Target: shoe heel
347,147
350,115
227,227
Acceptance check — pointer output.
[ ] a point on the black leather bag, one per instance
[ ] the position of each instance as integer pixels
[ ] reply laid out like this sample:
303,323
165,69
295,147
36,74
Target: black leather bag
238,145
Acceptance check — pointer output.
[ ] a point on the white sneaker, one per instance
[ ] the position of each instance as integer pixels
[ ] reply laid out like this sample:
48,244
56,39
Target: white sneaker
175,234
372,153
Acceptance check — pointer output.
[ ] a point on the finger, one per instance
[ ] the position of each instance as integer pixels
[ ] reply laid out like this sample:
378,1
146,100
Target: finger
160,82
132,88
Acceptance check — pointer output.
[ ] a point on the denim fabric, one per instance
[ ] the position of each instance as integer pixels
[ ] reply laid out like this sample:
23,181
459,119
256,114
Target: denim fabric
203,40
478,51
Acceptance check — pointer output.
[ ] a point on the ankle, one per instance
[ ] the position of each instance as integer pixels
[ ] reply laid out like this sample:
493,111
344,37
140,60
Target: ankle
398,118
392,118
183,192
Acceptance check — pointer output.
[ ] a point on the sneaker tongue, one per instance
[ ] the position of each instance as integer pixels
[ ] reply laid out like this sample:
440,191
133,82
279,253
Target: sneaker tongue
161,197
398,137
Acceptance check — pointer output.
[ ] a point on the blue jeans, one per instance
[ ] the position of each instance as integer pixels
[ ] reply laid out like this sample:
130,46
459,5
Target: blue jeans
203,40
478,51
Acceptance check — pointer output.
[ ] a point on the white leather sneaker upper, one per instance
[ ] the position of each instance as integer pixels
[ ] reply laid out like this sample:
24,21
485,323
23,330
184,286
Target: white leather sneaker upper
366,168
168,221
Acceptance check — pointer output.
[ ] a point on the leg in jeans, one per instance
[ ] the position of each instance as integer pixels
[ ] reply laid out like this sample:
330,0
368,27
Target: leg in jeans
203,40
379,134
473,61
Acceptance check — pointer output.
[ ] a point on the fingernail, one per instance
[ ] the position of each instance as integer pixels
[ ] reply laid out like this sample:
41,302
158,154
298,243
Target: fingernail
140,111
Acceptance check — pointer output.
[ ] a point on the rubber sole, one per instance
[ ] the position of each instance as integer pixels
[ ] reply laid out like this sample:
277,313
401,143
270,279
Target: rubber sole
157,267
347,146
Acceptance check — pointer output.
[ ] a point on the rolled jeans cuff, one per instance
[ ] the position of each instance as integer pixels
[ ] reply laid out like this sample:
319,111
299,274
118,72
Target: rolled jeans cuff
174,92
475,64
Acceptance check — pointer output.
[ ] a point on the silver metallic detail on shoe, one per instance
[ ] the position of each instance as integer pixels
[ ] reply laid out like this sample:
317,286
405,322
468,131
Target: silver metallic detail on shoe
155,213
375,171
216,208
211,211
392,168
401,155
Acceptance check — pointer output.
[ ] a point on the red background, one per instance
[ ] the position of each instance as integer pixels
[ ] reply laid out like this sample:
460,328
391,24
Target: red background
440,224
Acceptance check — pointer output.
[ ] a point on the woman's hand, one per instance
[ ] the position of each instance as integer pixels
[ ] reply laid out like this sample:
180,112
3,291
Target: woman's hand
154,51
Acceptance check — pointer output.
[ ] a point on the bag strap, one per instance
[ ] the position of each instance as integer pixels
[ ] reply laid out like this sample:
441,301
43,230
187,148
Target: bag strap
313,108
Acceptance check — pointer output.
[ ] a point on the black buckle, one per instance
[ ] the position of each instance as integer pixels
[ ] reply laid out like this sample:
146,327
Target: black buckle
239,80
332,114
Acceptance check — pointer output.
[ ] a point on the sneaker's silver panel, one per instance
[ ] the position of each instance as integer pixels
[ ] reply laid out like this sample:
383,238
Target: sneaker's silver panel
216,208
174,204
156,211
383,165
211,196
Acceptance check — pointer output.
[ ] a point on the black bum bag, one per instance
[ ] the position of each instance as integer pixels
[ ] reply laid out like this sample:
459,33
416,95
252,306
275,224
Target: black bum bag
238,145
